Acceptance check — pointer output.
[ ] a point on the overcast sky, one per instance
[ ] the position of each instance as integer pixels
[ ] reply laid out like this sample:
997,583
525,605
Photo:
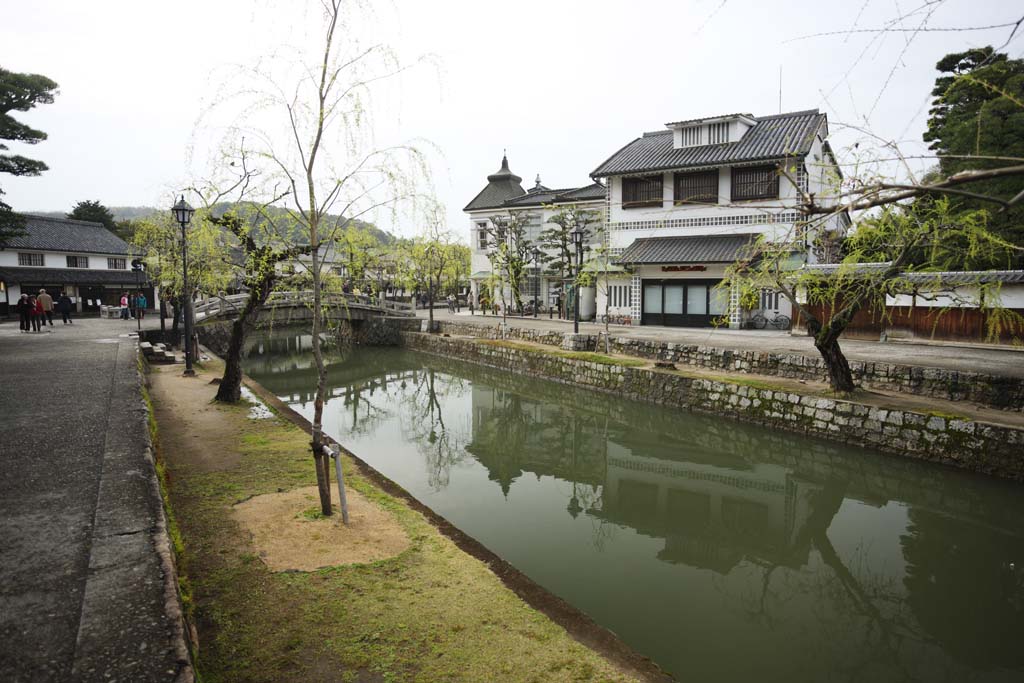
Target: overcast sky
560,84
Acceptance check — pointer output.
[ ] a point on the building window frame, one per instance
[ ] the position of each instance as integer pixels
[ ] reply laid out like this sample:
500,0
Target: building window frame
117,263
31,260
695,187
643,191
481,243
752,183
77,261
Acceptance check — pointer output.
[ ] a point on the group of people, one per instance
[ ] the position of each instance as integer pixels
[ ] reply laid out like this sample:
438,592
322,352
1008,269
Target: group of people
36,311
133,306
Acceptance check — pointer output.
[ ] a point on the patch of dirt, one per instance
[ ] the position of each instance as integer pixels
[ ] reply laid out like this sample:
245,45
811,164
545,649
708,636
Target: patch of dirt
191,424
287,538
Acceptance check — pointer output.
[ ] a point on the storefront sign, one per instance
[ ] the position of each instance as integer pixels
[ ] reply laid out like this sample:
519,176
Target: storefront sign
683,269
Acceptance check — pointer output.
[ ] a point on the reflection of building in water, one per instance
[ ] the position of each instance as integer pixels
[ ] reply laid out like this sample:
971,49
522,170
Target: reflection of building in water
712,508
711,516
513,434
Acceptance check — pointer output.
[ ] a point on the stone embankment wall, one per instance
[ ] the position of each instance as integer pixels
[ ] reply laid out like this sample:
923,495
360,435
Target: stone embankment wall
1004,393
977,446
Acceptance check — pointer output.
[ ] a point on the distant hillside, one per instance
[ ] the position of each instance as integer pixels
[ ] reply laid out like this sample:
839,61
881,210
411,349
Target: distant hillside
136,212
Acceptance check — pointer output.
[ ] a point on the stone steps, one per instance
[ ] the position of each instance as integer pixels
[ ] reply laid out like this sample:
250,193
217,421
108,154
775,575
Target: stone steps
159,353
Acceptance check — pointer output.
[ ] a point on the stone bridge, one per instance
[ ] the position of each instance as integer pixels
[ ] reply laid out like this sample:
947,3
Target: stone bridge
294,307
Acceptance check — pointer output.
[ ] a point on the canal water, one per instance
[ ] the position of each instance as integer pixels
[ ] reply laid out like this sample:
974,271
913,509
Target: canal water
722,551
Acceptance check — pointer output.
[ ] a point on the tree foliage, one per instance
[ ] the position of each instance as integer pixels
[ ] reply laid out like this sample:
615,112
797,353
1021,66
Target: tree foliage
977,122
94,211
19,92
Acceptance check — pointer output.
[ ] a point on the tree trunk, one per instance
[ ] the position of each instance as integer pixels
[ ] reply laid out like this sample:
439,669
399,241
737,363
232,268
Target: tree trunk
430,309
230,389
839,374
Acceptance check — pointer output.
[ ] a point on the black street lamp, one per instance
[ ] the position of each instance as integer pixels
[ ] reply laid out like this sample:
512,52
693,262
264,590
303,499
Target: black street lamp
577,239
183,214
536,284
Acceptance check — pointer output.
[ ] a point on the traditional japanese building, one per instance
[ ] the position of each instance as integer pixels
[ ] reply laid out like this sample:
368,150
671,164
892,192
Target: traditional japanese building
82,259
684,202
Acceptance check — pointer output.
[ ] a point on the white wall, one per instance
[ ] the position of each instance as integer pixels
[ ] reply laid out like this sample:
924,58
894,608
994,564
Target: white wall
58,259
1010,296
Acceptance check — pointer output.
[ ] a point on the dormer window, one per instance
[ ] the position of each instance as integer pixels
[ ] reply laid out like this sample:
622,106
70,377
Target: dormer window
691,137
714,131
718,133
642,191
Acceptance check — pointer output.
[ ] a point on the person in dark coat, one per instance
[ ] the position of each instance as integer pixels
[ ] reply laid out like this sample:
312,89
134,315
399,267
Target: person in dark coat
24,309
64,307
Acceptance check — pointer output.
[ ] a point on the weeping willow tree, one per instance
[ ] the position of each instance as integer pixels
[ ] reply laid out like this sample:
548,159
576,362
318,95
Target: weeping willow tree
306,115
903,250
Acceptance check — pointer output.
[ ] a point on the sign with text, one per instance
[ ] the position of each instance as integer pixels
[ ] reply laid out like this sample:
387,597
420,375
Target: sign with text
683,269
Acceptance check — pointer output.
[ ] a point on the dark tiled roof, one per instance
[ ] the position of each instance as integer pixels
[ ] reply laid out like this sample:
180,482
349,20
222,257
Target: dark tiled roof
68,276
698,249
711,118
954,277
773,137
62,234
568,195
501,186
583,194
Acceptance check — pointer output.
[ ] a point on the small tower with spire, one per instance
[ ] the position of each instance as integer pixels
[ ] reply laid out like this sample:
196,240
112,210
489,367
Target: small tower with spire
501,186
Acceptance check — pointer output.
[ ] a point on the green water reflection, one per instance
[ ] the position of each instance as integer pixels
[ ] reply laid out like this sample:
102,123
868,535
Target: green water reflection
723,551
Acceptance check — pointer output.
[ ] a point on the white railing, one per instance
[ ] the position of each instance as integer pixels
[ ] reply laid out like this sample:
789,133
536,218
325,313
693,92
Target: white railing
233,303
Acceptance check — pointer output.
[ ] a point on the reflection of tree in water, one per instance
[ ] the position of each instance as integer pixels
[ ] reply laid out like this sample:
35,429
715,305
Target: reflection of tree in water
423,422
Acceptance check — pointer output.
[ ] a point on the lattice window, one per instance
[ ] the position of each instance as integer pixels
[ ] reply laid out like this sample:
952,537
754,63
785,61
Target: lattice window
78,261
709,221
117,264
696,188
691,137
30,260
718,133
755,182
802,179
642,191
481,229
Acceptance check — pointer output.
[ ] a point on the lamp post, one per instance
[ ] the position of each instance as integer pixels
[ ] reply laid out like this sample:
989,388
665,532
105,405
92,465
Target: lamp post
536,286
183,214
577,240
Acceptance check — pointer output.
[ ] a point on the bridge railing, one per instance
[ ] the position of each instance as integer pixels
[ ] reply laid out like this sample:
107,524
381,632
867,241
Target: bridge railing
231,304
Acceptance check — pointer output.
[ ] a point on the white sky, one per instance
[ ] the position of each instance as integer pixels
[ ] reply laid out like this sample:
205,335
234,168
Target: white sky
560,84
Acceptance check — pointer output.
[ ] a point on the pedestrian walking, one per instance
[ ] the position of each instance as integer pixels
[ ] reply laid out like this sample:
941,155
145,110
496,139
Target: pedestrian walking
24,309
124,306
64,306
471,306
46,303
36,313
140,305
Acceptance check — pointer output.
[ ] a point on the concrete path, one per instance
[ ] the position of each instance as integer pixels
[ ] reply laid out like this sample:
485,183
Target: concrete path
995,361
84,594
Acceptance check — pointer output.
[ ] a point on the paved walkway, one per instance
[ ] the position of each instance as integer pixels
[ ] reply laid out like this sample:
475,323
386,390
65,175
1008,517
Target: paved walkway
82,587
995,361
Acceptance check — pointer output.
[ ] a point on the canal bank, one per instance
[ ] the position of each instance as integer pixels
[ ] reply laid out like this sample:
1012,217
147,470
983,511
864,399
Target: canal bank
433,612
949,438
725,551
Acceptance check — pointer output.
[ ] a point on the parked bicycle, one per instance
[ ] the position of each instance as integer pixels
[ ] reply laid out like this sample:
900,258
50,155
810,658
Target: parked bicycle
779,322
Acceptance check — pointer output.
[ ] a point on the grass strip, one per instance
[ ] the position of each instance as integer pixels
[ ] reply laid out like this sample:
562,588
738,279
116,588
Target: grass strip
432,613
